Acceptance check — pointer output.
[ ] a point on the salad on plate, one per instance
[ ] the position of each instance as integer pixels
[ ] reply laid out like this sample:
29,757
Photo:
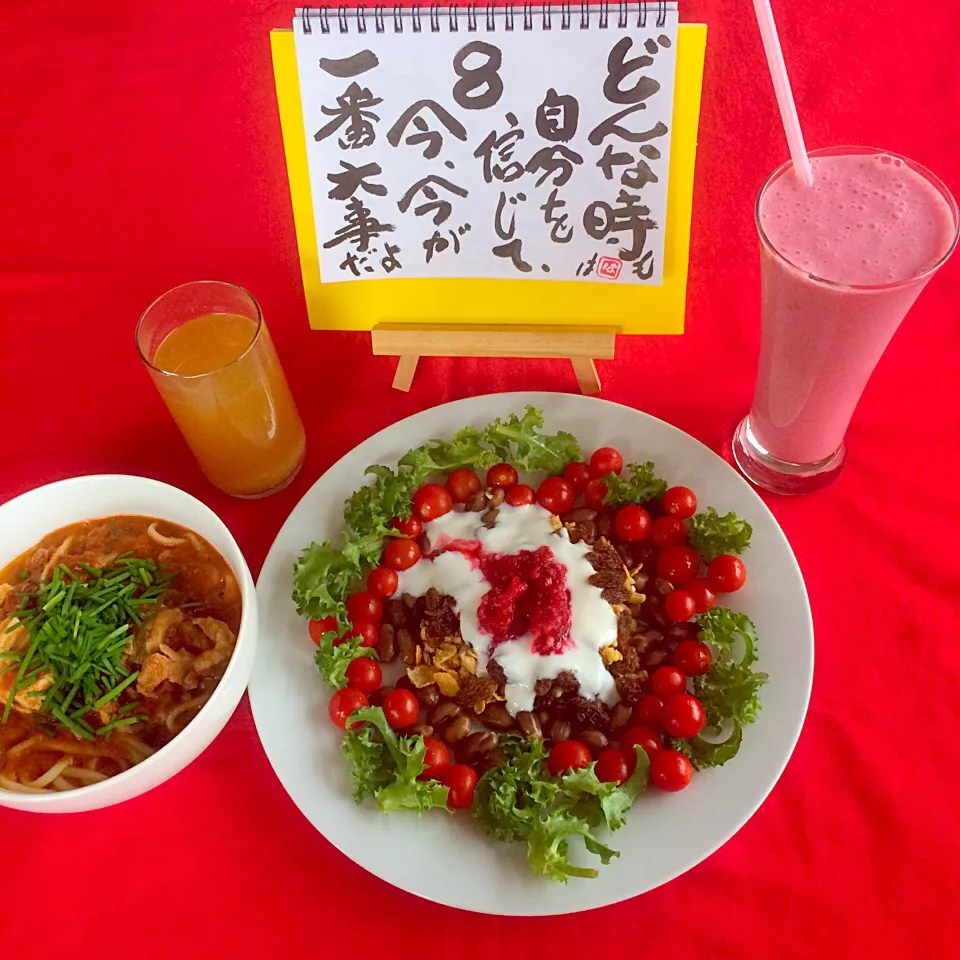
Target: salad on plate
513,629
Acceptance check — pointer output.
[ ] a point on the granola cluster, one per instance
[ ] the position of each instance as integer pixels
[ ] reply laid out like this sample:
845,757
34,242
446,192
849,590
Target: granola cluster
442,656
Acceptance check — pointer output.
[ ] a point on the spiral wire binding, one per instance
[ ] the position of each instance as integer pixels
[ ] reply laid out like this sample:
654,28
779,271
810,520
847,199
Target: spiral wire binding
322,15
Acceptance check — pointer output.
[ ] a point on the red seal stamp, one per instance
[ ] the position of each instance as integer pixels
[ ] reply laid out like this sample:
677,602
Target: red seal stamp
609,268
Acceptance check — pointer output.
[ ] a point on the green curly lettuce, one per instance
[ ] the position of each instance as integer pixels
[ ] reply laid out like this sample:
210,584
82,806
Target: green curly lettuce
368,759
637,484
385,766
703,752
548,846
712,535
730,689
509,798
519,441
606,803
369,510
519,802
333,658
322,577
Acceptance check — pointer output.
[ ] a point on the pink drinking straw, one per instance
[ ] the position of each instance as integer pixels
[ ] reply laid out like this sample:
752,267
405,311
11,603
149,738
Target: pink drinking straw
781,86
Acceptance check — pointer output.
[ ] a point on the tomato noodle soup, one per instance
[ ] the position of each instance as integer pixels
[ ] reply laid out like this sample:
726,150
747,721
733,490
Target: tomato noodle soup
114,633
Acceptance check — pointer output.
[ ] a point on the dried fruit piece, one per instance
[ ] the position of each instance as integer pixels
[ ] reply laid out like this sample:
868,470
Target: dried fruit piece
476,693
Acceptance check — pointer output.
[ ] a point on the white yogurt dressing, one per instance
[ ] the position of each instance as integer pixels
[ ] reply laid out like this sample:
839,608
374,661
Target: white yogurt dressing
593,622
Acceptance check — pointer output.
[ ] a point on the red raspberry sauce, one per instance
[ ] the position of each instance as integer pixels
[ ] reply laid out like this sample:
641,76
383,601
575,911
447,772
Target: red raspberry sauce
528,594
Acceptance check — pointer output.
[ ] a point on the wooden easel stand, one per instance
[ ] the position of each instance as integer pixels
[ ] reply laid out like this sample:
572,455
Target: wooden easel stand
581,345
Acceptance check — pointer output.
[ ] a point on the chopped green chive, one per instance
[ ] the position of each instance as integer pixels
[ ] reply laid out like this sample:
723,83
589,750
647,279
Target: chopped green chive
53,601
79,629
113,724
116,691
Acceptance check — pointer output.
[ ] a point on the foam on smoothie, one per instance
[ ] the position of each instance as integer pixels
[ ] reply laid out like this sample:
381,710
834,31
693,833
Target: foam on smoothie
868,219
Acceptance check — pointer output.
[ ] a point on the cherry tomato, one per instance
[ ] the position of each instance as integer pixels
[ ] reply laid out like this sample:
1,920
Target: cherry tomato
556,495
594,494
343,703
703,596
649,712
411,527
401,708
578,473
437,758
319,627
462,781
684,716
568,755
606,460
613,766
670,770
383,581
364,607
501,475
641,736
632,522
680,502
693,657
367,632
726,573
519,495
678,564
364,674
666,681
431,501
667,531
463,485
401,553
680,605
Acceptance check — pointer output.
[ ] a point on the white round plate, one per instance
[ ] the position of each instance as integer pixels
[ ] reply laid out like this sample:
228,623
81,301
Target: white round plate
666,834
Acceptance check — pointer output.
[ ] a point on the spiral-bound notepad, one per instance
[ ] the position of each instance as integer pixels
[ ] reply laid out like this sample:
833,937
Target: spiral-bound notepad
332,55
504,142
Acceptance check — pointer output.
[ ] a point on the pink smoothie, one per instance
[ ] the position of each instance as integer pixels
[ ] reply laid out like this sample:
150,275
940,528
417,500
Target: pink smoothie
869,221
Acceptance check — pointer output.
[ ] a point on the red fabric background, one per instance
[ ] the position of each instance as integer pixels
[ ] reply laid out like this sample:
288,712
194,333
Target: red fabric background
140,148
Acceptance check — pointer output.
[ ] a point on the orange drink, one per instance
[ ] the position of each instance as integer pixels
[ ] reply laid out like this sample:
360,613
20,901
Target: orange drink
210,355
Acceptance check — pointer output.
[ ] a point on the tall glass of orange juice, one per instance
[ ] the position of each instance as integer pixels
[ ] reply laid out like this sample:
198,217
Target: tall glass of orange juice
209,352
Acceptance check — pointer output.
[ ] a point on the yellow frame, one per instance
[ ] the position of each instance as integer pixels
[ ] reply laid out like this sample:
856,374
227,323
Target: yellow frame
628,309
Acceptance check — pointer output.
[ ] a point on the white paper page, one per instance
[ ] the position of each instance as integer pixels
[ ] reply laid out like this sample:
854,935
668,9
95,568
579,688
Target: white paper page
503,153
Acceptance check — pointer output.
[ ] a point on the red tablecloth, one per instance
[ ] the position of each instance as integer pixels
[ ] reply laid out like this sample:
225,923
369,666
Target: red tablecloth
140,148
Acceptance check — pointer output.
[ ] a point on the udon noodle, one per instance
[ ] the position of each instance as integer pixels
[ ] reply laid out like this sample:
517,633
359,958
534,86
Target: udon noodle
179,651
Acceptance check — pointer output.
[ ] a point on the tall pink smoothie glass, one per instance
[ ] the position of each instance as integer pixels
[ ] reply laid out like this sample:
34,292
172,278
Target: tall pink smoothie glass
841,264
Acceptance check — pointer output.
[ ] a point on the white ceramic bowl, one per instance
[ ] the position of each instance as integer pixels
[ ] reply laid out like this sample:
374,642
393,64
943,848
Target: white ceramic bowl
27,518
